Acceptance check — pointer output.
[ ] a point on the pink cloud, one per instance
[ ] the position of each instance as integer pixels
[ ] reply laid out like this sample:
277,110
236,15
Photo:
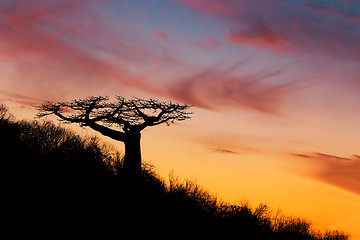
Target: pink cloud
328,10
22,100
53,52
162,35
342,172
214,89
318,8
260,36
58,44
350,16
280,26
209,43
66,43
213,6
31,32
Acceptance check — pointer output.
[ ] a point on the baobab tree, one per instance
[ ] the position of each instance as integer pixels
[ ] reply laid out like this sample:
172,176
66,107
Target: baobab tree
122,120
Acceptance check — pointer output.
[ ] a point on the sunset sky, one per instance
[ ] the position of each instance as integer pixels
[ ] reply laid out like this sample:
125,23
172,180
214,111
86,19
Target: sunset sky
274,86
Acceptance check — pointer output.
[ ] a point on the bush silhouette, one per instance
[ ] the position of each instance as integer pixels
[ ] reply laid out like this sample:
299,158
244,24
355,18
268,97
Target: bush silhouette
61,184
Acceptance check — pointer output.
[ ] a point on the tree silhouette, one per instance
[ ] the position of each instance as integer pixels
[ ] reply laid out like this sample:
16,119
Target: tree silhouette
122,120
5,115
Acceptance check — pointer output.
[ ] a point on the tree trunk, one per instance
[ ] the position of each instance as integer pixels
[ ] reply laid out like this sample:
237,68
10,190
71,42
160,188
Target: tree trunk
132,160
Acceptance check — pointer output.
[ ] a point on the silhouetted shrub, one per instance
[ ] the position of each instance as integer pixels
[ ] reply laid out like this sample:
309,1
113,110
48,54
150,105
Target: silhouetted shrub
5,115
74,186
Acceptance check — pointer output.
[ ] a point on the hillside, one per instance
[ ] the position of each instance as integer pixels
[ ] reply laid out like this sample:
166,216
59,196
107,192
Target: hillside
60,184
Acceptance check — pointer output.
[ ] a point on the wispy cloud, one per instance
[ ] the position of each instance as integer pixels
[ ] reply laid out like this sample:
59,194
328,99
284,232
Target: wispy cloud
225,144
33,33
23,100
326,9
162,35
278,25
215,88
323,156
342,172
60,47
54,43
261,36
213,7
52,48
223,150
209,43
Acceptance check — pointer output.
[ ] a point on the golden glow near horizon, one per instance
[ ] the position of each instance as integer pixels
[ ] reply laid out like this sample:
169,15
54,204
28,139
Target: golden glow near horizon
275,95
237,167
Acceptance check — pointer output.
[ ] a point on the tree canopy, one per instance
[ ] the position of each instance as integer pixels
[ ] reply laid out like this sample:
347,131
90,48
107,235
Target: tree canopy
134,114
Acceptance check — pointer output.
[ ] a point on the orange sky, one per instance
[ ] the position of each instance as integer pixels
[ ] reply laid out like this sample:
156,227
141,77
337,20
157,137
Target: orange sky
274,87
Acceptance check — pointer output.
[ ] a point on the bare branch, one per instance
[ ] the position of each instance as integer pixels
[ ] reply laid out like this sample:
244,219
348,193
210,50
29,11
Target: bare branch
127,115
116,135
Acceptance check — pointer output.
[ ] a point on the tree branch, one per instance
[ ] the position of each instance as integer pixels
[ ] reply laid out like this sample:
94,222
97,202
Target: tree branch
116,135
62,117
128,115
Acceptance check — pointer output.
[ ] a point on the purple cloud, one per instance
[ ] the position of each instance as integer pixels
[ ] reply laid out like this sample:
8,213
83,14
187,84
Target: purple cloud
301,28
214,88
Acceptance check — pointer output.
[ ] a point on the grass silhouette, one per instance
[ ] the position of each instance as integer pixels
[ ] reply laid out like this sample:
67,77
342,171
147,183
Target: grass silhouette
64,185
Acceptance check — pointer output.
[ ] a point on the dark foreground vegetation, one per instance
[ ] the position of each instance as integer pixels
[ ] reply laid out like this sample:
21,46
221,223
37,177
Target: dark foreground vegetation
62,185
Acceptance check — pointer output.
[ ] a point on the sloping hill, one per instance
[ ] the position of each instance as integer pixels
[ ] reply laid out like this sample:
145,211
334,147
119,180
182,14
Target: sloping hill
62,185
